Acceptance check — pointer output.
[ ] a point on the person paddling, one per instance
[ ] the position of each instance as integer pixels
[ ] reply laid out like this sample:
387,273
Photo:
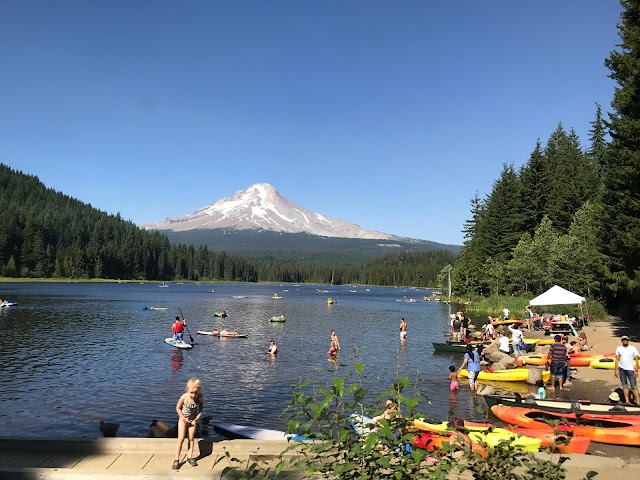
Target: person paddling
178,330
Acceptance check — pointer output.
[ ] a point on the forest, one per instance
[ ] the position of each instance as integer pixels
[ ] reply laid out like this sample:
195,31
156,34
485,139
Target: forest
569,216
46,234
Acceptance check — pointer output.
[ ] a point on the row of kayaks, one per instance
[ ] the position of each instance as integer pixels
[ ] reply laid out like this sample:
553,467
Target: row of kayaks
583,359
560,426
478,436
601,422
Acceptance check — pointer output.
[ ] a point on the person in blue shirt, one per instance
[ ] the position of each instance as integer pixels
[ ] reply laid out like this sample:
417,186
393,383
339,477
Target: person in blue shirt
472,362
541,394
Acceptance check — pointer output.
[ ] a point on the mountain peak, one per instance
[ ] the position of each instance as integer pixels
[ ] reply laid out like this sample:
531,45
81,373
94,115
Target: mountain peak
262,207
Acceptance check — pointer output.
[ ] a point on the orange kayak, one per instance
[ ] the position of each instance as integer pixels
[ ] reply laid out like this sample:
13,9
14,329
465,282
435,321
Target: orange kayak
616,430
577,360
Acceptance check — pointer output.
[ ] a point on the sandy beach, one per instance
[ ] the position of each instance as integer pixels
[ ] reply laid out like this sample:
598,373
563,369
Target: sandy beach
596,385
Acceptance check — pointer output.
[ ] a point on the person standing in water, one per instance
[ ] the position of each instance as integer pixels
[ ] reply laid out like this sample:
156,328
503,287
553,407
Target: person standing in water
403,329
472,362
334,341
453,378
189,408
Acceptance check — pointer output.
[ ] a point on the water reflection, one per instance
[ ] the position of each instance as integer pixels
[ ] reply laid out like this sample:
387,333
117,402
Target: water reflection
176,359
453,403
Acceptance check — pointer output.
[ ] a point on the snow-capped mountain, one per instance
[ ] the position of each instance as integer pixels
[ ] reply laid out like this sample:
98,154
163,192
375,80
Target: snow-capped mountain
261,207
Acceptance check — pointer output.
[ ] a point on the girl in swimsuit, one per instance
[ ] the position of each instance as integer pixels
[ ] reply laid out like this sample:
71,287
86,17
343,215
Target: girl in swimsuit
189,407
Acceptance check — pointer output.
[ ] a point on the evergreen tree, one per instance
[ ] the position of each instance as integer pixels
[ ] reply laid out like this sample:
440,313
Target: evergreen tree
621,169
571,181
468,269
598,147
535,183
503,219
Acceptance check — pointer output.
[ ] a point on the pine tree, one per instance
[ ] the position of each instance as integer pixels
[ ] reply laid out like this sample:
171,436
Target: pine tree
621,169
535,182
598,147
503,219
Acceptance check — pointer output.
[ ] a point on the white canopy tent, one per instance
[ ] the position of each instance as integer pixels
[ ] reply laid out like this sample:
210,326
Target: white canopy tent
558,296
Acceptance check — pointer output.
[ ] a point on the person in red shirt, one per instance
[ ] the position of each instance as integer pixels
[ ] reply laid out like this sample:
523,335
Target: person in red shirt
178,329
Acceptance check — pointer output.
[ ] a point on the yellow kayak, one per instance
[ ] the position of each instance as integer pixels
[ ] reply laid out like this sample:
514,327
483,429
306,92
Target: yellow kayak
479,434
513,375
607,363
546,341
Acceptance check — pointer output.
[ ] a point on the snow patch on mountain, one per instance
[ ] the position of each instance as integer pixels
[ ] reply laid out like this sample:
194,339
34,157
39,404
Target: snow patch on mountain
261,207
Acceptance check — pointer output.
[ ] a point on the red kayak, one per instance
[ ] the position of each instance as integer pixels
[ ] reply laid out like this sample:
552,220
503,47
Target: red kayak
554,441
616,430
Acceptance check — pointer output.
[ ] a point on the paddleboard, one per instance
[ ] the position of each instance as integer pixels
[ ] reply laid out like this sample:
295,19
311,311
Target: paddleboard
239,296
245,432
173,343
8,304
214,334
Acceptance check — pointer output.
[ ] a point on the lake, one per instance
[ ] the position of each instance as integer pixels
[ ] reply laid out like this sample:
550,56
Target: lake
77,353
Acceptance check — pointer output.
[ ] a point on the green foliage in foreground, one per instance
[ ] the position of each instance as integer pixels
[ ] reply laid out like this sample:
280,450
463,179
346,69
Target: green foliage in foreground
322,412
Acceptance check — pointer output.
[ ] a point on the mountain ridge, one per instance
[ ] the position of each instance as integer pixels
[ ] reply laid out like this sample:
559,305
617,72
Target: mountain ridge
262,207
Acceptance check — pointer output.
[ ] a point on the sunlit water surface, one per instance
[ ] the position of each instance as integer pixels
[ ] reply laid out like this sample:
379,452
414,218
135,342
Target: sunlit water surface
77,353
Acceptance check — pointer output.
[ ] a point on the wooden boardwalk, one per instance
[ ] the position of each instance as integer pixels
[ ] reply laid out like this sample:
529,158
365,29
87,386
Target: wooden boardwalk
116,458
151,459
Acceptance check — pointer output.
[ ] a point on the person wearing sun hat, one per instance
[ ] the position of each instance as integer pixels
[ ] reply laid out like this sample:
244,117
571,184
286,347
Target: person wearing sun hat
626,367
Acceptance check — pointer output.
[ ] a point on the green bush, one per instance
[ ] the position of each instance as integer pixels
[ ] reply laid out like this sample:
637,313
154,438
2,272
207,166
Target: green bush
322,413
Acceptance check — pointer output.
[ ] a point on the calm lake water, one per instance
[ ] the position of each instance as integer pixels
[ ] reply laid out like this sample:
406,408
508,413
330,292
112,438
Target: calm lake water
77,353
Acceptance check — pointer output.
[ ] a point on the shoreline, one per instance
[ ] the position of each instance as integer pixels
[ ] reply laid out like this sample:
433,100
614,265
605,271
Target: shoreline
596,384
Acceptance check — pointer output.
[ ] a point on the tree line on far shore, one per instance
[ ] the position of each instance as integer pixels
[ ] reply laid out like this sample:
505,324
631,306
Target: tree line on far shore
569,216
46,234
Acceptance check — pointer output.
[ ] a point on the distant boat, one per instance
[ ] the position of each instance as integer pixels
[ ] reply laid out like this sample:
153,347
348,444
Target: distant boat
276,296
239,296
163,285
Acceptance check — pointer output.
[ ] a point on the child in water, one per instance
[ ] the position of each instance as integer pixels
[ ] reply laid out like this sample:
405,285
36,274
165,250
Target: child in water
189,408
453,377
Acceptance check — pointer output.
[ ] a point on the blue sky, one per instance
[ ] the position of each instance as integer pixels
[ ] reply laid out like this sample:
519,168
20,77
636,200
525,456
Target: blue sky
387,114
